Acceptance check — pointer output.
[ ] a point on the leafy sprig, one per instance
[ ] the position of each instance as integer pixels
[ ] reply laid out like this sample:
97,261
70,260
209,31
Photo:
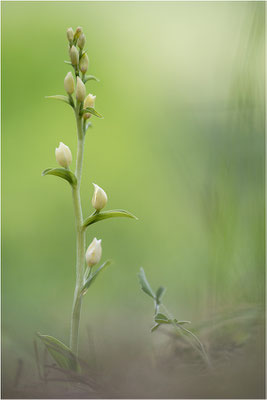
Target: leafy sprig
166,318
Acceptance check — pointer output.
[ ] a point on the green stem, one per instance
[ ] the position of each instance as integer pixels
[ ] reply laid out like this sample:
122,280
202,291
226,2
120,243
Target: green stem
80,241
200,348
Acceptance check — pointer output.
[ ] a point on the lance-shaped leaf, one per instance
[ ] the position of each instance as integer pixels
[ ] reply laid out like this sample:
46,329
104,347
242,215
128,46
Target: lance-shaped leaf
95,217
145,285
61,353
92,278
155,327
61,98
62,173
92,111
90,78
159,294
162,319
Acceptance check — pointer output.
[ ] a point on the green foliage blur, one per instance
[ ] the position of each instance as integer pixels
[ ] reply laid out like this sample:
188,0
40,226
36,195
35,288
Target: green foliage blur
181,146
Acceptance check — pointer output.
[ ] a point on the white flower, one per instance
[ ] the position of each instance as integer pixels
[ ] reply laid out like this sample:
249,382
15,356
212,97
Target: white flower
93,253
69,83
63,155
80,90
70,34
84,62
89,102
74,55
100,198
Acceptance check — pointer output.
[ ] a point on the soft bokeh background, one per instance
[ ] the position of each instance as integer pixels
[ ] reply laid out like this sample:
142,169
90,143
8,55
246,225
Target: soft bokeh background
181,146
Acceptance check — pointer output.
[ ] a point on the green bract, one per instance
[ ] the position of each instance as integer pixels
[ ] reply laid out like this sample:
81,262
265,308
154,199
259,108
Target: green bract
62,173
90,78
90,110
100,216
88,282
60,97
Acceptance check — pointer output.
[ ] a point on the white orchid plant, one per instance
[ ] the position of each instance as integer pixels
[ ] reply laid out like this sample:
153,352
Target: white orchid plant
83,107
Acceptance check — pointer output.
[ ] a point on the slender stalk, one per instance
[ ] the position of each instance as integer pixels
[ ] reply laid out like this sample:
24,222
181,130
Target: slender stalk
80,239
200,348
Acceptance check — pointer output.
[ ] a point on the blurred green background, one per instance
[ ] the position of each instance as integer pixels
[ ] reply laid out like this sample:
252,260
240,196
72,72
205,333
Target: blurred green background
181,146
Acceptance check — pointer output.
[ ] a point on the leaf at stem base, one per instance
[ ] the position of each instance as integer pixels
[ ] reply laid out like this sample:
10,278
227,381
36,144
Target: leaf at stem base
61,353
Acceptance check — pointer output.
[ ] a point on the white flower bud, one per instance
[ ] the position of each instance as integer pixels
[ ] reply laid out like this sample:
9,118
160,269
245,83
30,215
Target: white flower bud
93,253
100,198
74,55
78,32
70,34
81,41
89,102
69,83
80,90
84,63
63,155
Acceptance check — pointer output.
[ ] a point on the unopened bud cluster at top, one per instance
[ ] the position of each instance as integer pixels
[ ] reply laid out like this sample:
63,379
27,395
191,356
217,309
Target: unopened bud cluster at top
80,62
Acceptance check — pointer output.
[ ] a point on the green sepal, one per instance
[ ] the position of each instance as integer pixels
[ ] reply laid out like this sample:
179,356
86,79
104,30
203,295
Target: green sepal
61,98
62,173
95,217
90,78
159,294
145,285
61,353
67,62
92,111
92,278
